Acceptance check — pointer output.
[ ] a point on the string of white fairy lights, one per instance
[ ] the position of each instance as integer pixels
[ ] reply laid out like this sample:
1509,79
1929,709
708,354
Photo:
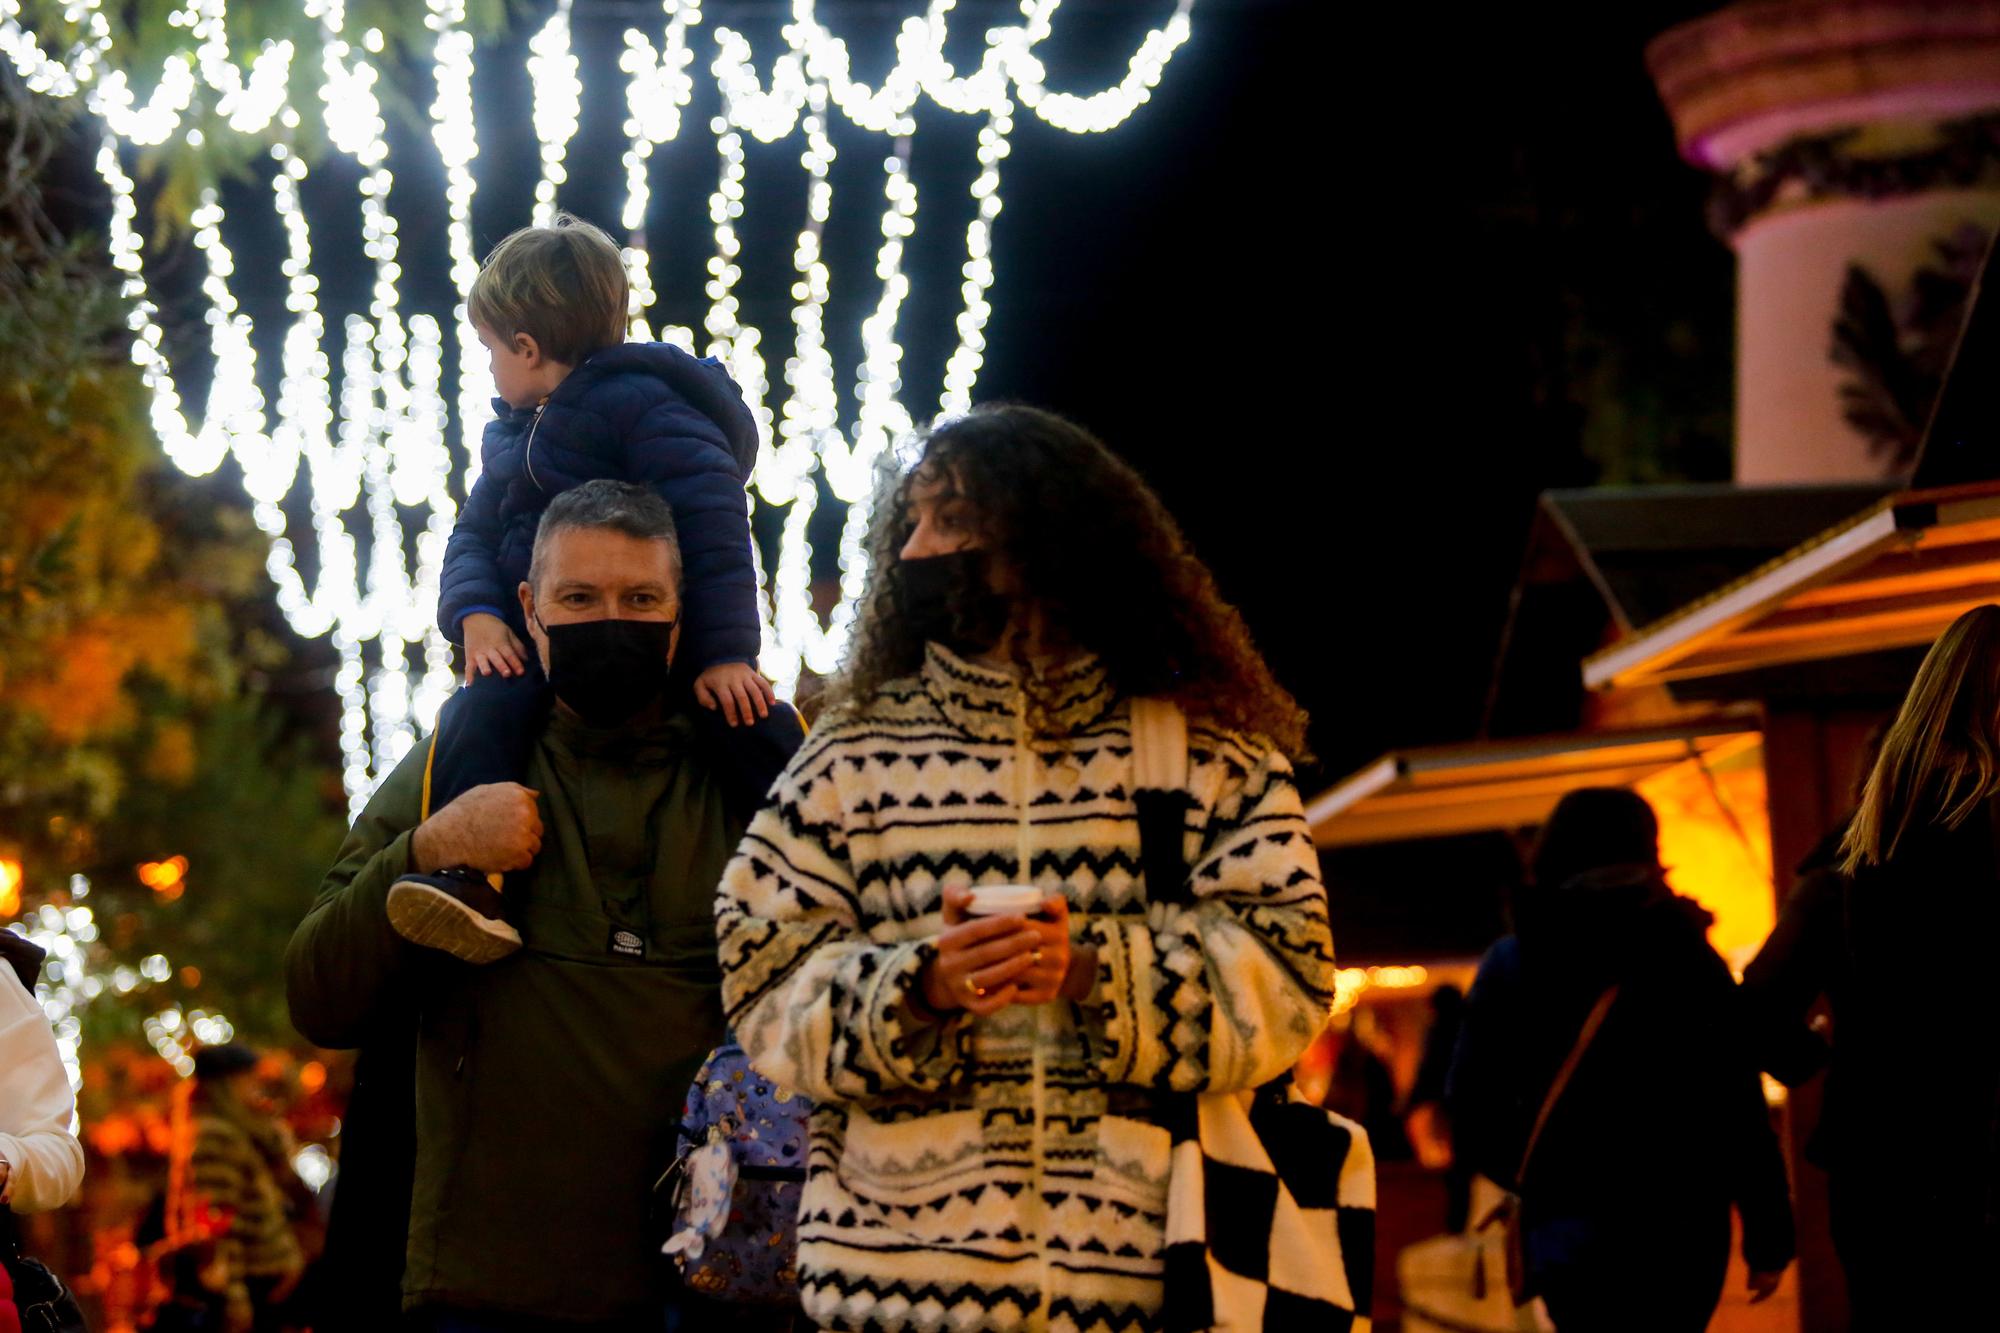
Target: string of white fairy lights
76,976
379,451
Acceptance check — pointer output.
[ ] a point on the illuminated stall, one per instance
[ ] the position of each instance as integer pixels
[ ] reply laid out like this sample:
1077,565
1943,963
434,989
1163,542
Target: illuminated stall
1706,782
1722,651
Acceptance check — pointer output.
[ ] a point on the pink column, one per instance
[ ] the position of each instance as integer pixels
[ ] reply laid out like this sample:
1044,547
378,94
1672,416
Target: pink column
1841,133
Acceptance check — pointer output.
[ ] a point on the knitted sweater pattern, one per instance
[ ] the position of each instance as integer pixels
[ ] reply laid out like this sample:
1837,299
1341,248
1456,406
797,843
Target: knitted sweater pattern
921,1207
230,1174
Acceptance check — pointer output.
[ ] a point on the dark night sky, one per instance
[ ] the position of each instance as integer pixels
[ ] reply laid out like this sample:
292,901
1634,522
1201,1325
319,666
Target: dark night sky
1355,286
1350,290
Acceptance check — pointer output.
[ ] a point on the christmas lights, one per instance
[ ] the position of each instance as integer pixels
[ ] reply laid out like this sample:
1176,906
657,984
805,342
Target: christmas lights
77,974
374,450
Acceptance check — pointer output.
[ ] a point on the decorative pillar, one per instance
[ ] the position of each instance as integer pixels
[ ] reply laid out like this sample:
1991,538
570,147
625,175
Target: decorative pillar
1856,148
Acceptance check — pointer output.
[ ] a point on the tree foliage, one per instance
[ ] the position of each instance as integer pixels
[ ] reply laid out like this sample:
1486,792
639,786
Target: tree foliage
147,35
1896,353
124,736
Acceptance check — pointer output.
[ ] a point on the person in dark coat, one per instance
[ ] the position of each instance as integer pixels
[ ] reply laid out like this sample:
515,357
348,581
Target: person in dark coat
1808,957
1895,929
1626,1203
368,1226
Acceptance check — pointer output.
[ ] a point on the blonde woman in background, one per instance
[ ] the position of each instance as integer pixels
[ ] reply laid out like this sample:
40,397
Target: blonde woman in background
1910,1133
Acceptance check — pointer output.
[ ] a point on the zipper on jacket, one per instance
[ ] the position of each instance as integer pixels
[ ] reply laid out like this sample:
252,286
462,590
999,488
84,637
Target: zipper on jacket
528,449
1024,872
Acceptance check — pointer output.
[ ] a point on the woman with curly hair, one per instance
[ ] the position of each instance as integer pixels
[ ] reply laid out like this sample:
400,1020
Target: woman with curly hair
986,1150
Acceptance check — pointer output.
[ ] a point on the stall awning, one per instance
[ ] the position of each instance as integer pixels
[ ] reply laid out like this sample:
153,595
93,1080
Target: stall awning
1893,576
1505,784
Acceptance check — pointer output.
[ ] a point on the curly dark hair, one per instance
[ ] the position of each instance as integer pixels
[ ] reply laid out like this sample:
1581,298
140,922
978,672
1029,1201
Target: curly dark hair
1081,536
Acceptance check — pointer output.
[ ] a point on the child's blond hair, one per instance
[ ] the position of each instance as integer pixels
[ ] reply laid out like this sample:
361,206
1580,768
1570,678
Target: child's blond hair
562,285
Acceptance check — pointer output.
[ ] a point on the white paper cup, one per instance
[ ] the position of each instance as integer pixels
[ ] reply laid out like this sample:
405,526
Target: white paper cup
1005,900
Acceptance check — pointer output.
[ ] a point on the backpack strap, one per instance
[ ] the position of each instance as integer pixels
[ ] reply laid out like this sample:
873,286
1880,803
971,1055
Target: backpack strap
1159,779
1563,1076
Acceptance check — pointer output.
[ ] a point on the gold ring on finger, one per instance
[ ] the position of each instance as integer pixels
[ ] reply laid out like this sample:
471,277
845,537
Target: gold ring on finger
1038,958
973,988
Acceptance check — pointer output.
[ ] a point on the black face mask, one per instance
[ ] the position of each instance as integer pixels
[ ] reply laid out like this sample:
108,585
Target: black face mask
947,599
608,670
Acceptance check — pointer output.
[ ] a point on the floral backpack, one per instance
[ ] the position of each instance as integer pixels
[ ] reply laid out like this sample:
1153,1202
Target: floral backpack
733,1191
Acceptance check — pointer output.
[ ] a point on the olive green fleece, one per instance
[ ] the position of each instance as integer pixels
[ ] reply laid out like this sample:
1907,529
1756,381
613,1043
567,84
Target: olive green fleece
549,1084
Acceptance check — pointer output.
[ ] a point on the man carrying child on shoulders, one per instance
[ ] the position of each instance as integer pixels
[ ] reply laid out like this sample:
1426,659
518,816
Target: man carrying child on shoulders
548,1082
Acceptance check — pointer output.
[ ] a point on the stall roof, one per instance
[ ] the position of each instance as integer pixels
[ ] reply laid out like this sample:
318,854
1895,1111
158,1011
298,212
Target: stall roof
1892,576
1484,785
1599,563
1651,549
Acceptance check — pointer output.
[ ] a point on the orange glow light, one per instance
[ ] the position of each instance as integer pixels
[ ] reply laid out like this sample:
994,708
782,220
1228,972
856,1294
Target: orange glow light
167,879
1715,841
190,976
10,888
312,1076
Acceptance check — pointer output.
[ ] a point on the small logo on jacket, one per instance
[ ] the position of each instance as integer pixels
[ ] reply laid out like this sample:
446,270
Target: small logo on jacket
626,943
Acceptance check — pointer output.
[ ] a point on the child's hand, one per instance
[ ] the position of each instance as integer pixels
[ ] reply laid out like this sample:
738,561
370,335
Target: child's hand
491,648
737,688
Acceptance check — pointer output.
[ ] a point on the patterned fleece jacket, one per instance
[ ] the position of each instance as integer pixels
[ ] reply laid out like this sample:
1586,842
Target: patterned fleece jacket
1009,1173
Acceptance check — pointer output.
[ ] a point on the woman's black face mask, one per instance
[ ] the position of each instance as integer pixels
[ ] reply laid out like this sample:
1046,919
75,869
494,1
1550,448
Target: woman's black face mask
948,599
608,671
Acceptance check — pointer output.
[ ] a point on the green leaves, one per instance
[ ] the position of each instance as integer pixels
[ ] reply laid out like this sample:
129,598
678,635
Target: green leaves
144,40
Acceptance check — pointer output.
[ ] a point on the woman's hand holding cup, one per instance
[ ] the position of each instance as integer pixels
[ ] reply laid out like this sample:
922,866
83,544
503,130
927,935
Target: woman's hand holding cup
1043,981
981,959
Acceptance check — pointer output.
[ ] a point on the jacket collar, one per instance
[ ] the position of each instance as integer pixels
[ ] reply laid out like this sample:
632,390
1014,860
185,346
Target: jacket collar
986,702
662,737
703,383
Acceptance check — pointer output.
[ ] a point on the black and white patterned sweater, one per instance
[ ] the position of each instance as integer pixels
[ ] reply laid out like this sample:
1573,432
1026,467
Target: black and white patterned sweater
1003,1173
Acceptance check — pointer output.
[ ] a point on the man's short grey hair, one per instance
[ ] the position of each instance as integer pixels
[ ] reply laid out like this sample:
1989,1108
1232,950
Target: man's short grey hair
619,506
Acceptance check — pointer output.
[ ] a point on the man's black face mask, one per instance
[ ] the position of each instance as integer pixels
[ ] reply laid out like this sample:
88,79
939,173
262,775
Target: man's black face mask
947,599
608,671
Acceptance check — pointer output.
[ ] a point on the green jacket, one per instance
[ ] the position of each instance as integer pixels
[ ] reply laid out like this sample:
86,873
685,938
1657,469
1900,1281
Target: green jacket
549,1084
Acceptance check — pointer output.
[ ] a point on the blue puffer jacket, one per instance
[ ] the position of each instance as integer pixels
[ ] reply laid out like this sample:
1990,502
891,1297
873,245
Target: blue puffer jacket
641,412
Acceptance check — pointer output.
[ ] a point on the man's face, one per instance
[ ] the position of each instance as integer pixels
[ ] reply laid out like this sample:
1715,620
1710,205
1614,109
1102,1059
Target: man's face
599,574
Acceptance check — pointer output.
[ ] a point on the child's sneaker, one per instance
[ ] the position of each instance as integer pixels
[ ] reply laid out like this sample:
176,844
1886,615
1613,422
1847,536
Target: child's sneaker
457,911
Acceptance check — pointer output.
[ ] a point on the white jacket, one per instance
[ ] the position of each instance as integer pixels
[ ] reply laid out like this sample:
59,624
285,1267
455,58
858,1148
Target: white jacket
36,1106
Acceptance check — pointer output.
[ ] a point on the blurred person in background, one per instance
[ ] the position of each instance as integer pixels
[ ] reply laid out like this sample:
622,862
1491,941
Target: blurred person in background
1424,1117
1362,1086
196,1276
1908,1132
1625,1204
1809,958
241,1166
41,1162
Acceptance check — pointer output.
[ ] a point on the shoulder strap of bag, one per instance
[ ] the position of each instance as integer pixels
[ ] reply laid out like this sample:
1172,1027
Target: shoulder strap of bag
1563,1075
1160,776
